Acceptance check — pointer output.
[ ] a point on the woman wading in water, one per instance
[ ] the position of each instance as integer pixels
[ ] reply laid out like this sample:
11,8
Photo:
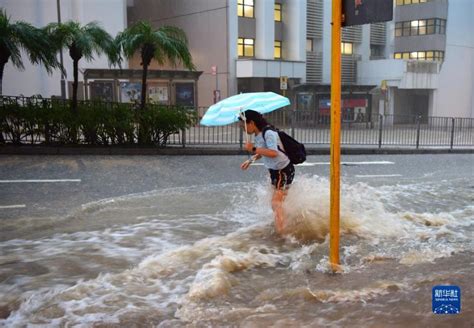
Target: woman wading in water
269,148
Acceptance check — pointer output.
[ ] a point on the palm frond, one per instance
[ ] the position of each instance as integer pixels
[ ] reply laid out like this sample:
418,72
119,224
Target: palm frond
173,47
170,43
18,36
88,40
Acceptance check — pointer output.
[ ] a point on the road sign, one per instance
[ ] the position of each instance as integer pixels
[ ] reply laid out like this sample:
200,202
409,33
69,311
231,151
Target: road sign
283,82
214,70
360,12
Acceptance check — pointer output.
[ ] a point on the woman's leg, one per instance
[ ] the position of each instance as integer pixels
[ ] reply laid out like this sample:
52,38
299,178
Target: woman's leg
281,180
277,206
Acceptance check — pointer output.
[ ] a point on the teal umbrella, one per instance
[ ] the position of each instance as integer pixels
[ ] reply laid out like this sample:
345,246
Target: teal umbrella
227,111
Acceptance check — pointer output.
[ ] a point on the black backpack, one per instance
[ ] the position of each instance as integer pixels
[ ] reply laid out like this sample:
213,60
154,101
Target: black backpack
293,149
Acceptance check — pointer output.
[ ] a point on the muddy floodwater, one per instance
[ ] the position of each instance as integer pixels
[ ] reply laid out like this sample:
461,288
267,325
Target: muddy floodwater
208,256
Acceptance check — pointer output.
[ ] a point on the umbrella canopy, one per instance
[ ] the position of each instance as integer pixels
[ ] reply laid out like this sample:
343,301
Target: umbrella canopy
227,111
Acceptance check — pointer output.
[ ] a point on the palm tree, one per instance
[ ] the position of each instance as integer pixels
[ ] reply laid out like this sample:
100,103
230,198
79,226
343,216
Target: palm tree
82,42
167,43
19,35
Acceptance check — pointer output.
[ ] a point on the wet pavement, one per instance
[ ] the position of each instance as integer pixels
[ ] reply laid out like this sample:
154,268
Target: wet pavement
110,176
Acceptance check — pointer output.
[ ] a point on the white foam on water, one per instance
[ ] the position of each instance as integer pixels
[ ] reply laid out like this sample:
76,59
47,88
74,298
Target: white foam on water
385,233
214,278
154,284
307,211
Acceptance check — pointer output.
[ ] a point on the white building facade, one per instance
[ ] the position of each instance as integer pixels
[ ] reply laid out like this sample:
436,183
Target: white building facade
429,67
34,80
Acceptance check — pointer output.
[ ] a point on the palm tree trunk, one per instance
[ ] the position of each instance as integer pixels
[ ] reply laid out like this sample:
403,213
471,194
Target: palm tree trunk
147,54
143,135
143,95
144,129
74,86
2,67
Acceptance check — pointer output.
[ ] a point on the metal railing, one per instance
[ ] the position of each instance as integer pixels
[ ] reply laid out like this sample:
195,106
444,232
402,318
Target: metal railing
377,130
313,128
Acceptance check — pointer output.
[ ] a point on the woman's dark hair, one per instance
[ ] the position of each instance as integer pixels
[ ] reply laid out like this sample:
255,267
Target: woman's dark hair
256,117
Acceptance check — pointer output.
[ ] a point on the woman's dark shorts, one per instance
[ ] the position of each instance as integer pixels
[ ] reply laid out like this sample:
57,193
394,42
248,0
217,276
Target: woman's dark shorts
282,179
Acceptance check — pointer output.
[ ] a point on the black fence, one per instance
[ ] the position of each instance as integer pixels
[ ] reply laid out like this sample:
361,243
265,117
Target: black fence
376,130
308,127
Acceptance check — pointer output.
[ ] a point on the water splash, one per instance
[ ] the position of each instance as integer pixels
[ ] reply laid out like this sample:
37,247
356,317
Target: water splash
177,262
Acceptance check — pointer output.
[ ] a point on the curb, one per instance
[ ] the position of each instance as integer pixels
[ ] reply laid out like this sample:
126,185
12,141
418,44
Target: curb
194,151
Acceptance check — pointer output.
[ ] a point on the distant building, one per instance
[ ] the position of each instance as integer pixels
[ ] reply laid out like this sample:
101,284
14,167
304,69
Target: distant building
428,67
409,66
240,45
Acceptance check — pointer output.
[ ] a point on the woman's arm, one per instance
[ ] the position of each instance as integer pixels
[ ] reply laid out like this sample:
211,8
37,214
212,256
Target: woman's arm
260,151
266,152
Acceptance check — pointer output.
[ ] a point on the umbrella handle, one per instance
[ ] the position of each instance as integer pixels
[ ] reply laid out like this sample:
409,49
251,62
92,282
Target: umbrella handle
242,114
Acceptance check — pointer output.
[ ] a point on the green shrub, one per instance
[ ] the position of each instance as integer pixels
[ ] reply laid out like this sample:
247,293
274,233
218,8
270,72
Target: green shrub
158,122
51,121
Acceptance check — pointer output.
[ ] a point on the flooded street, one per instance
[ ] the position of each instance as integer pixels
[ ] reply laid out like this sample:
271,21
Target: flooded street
189,241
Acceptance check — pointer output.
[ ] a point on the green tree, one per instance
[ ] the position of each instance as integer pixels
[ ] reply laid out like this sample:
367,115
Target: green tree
19,35
167,43
82,42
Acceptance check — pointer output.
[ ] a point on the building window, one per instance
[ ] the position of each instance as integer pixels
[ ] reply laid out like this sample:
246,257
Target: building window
277,12
410,2
309,45
245,47
398,29
420,27
346,48
420,55
441,26
376,51
277,51
245,8
406,28
430,28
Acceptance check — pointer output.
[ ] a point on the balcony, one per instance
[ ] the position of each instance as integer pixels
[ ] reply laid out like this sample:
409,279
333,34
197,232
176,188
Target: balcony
404,74
270,68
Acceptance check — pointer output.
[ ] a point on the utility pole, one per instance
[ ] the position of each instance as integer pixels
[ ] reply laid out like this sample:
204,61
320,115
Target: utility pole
335,134
345,13
63,77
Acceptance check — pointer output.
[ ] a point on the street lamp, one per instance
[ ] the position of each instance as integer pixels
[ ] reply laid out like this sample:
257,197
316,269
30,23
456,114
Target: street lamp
63,77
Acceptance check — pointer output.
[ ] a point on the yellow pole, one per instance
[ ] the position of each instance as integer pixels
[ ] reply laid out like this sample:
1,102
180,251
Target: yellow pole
335,133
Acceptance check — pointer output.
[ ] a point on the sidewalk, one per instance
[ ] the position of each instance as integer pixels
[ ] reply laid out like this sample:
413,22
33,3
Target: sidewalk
213,150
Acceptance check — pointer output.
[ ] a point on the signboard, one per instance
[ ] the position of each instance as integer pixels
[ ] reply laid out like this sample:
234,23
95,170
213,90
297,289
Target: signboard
158,93
360,12
283,82
130,91
102,90
184,94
